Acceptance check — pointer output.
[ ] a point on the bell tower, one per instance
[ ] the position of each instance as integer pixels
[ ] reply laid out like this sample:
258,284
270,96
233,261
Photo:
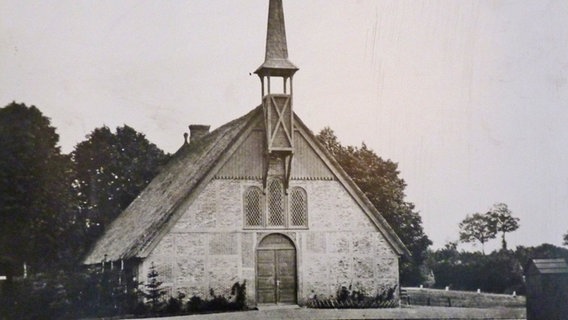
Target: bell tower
276,75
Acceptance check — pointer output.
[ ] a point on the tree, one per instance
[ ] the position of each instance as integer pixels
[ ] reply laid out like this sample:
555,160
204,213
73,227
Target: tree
449,254
154,292
501,271
36,200
543,251
112,169
502,220
477,227
379,180
497,272
565,239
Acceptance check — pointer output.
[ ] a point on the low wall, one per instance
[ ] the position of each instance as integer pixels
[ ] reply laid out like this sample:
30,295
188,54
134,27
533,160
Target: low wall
467,299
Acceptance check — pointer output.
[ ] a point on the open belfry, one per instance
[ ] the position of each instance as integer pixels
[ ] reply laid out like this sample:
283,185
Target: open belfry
277,107
257,200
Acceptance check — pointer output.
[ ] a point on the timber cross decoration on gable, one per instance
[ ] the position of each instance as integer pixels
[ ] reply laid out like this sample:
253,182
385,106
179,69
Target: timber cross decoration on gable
279,135
279,126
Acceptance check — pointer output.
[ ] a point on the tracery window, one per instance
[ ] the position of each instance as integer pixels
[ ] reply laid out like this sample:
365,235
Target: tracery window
275,209
298,207
253,207
275,204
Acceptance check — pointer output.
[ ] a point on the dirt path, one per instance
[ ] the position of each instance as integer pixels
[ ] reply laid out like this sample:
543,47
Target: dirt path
402,313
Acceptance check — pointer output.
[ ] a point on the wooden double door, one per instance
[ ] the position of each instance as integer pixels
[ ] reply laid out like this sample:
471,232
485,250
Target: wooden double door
276,270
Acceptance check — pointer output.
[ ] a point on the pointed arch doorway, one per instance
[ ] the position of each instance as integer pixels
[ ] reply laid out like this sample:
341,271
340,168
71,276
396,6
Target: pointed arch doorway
276,270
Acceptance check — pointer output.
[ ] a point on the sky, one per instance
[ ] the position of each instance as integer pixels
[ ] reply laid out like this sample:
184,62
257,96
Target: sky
470,98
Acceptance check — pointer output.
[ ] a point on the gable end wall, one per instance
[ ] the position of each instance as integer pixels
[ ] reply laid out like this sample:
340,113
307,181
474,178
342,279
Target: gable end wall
209,249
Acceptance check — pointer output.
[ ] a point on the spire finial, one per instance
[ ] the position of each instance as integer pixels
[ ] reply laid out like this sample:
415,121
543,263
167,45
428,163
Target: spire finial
276,58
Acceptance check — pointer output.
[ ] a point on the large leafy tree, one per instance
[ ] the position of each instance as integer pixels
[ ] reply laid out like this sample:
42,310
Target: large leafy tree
379,180
36,200
503,221
497,272
112,169
477,228
565,239
543,251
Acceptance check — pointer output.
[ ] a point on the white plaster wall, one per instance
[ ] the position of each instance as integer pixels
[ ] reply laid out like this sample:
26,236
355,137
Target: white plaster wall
343,247
208,248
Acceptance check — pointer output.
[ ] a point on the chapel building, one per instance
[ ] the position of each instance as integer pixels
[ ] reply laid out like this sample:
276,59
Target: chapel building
258,199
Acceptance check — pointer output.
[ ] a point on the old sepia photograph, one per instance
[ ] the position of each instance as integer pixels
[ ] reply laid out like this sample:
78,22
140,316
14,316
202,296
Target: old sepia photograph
284,159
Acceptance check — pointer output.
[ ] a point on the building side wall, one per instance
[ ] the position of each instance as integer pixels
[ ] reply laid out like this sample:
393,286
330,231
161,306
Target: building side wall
209,249
547,296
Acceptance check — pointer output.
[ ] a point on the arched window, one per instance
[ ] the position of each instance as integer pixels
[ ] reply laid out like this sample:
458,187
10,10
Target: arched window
275,204
298,207
253,207
274,208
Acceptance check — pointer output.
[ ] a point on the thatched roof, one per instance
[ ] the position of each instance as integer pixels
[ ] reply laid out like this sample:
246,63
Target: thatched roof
141,225
138,227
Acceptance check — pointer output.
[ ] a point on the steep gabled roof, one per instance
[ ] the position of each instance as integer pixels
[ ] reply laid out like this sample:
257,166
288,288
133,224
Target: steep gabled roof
138,227
135,232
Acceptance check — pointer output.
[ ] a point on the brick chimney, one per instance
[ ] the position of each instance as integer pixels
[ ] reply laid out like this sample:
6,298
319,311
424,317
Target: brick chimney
197,131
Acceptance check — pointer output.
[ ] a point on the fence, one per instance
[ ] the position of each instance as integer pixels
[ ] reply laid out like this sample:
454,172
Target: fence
450,298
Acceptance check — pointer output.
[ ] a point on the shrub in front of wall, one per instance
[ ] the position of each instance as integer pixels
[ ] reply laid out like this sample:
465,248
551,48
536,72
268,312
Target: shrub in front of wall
240,292
175,305
219,303
194,304
349,298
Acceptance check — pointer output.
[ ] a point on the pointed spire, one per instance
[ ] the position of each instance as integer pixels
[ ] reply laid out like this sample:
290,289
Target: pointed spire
276,46
276,61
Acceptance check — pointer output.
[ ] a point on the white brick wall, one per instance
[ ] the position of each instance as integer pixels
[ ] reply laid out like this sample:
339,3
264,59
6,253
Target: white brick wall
208,248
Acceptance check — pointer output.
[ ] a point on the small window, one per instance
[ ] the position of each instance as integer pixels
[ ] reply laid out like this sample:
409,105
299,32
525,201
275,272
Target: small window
253,207
275,204
298,207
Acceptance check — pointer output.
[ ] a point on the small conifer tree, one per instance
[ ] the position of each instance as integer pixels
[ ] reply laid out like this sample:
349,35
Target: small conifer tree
154,293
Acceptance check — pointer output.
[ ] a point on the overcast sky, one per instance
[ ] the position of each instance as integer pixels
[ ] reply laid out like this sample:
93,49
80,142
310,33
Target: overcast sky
470,98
